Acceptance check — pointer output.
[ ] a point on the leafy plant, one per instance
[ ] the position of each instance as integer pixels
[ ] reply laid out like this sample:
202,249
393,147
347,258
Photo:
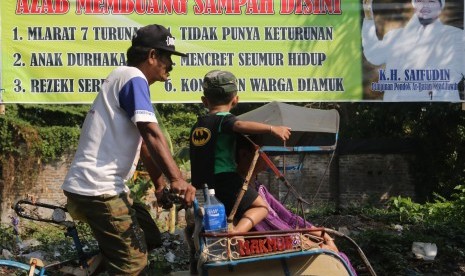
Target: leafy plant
139,186
26,141
439,212
7,238
406,209
459,204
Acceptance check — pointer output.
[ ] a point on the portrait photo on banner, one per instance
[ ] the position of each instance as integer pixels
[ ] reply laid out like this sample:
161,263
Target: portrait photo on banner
413,50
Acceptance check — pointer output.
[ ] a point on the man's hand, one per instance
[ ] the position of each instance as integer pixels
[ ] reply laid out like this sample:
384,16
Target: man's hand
185,190
159,194
367,9
158,153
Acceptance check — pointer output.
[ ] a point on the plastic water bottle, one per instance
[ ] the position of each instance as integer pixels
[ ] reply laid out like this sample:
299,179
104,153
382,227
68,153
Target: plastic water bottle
214,220
215,217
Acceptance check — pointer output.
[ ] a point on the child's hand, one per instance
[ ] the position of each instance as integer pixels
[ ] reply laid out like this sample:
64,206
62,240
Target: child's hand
281,132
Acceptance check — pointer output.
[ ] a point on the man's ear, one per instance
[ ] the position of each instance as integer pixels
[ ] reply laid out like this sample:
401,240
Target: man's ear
152,54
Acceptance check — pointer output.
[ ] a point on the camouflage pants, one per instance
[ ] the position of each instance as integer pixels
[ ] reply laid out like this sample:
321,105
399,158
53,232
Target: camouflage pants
124,230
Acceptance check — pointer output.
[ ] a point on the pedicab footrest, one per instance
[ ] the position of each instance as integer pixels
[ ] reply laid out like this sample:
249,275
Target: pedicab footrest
225,246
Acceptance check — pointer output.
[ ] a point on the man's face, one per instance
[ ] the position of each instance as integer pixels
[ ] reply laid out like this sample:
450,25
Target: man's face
427,9
163,66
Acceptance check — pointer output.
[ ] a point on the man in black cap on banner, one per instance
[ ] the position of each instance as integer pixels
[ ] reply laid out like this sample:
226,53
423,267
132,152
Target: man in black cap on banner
119,128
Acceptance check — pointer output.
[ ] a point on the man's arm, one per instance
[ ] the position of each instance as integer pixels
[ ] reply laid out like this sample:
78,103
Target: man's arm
367,9
159,153
373,48
154,171
248,127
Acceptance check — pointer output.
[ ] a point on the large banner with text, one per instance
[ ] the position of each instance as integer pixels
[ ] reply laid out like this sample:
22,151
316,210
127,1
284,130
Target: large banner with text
60,51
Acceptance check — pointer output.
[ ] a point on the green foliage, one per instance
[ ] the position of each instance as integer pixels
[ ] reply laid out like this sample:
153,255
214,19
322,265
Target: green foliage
182,159
381,214
7,238
319,210
22,123
57,140
53,242
18,154
53,115
439,212
139,187
13,132
407,209
165,131
32,134
178,120
51,238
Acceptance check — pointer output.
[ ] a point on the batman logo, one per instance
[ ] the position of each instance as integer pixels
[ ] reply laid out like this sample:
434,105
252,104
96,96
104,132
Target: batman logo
201,136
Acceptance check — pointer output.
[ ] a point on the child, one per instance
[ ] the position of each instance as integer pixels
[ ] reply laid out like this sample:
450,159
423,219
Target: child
279,217
212,149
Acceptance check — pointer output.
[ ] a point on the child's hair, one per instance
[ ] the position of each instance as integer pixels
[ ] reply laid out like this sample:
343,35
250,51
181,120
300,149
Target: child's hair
219,87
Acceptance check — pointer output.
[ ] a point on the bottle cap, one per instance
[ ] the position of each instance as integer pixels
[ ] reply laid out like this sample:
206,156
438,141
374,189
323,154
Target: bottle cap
211,191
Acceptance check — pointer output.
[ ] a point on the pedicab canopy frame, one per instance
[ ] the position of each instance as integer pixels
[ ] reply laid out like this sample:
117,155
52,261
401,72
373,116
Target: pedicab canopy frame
312,129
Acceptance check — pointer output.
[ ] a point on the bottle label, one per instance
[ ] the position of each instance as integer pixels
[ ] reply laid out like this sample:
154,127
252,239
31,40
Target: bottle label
214,217
213,212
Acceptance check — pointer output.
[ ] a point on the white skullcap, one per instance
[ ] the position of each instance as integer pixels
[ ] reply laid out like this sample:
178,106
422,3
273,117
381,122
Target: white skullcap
443,2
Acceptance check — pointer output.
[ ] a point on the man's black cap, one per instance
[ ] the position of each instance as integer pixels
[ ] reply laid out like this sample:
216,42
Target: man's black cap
157,37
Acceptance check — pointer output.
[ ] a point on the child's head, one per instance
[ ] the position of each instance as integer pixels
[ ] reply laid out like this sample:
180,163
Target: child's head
219,87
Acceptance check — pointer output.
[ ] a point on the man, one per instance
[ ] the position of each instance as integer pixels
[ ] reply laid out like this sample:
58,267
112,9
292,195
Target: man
121,126
424,60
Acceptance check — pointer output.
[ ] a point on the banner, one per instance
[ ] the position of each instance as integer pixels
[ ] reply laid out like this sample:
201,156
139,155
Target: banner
60,51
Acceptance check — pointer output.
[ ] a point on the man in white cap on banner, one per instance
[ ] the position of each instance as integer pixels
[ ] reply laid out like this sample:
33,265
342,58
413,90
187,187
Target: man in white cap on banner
424,60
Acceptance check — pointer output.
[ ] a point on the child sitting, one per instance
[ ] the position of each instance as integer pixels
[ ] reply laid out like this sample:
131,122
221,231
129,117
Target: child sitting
212,149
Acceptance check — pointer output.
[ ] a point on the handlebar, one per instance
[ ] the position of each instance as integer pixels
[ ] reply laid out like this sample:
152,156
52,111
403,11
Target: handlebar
31,210
169,198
